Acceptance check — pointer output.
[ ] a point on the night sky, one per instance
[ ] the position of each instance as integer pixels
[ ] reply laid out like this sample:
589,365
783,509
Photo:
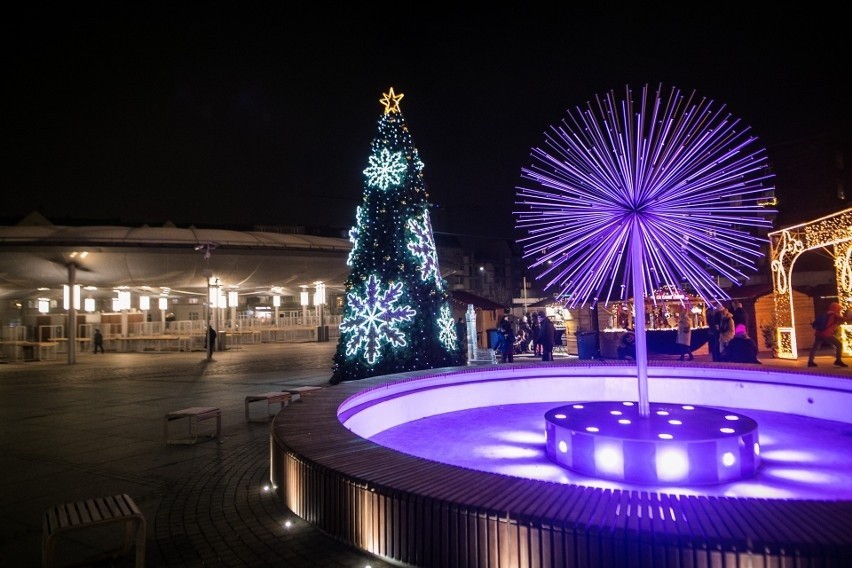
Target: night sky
234,120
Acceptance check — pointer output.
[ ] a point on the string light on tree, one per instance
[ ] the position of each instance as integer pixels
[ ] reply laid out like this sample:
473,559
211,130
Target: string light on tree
373,319
397,316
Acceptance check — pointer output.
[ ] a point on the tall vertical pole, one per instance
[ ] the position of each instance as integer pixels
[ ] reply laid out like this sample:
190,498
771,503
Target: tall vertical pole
208,339
639,322
72,315
217,314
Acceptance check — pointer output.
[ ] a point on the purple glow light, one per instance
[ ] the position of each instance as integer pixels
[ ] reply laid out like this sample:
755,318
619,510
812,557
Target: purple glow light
675,168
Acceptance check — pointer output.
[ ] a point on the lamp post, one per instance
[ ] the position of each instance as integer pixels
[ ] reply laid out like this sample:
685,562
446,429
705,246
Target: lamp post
305,300
163,304
144,306
123,306
72,305
319,302
212,302
207,249
276,303
233,301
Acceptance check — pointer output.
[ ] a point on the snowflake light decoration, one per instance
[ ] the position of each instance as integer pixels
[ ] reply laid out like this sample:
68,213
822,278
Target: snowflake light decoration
385,170
447,327
373,319
422,246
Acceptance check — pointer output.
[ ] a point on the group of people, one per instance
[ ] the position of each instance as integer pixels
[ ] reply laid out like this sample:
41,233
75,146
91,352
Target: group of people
728,335
538,335
729,339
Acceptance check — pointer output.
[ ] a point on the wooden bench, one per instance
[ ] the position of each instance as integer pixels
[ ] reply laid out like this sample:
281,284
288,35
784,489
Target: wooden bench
194,415
297,392
118,509
282,398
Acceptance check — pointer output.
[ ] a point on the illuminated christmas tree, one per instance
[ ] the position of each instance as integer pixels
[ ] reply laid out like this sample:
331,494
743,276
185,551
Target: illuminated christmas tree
397,316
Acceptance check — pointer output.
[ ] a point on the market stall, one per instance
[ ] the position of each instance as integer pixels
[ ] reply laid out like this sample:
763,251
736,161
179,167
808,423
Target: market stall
663,310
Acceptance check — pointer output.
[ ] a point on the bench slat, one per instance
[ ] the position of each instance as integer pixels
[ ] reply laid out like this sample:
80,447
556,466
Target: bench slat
91,513
194,415
275,397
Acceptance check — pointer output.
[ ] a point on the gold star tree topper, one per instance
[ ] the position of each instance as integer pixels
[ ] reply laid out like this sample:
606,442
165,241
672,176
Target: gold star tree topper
391,101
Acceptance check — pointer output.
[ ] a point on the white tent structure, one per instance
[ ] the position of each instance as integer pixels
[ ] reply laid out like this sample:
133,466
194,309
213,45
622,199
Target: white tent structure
41,255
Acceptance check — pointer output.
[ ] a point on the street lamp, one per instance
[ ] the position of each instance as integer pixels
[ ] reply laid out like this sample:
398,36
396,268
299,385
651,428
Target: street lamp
66,296
233,302
212,302
276,303
163,305
304,298
319,302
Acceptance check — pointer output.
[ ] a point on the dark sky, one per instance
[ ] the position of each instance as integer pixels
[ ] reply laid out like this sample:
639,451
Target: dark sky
230,119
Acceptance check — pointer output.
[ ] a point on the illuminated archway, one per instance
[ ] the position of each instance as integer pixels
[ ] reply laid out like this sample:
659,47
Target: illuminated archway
785,246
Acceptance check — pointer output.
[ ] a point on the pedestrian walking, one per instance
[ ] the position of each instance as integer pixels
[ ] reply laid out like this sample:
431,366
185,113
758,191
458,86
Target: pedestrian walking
99,341
824,334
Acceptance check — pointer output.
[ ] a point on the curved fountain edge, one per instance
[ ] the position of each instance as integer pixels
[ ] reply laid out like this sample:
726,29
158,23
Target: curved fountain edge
421,513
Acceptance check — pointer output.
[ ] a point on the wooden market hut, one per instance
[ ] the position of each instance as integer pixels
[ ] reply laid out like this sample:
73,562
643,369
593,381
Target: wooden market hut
488,313
757,300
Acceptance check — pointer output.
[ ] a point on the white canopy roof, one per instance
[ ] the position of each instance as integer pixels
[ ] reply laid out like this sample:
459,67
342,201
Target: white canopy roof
34,256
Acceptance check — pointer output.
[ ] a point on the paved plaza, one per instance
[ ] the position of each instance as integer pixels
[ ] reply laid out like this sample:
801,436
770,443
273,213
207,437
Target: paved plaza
73,432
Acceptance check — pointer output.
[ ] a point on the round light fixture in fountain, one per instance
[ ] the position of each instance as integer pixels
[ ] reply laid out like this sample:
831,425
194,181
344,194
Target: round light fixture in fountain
676,444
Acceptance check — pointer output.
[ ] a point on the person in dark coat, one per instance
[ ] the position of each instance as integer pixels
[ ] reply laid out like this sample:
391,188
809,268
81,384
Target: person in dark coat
714,320
99,341
546,336
210,340
523,338
535,329
742,348
627,346
507,342
739,313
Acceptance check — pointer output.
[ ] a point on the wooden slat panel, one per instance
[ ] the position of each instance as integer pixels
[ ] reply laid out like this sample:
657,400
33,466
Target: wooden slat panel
425,513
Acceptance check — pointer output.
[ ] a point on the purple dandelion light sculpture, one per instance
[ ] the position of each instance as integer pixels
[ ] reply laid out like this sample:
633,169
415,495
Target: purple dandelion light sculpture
629,195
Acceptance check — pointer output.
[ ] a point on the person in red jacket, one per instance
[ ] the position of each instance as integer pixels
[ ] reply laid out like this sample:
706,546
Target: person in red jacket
826,336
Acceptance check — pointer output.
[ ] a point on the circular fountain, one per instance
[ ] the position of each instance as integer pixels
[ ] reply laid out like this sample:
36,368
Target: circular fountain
676,444
424,512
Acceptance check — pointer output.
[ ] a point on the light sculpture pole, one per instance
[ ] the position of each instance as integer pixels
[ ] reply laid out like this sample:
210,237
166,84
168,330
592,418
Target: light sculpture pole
629,195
